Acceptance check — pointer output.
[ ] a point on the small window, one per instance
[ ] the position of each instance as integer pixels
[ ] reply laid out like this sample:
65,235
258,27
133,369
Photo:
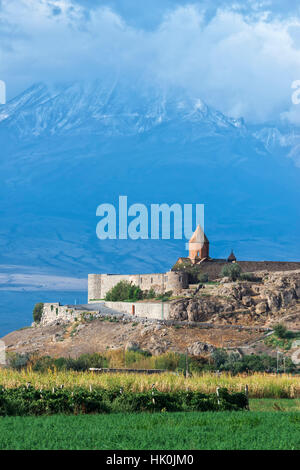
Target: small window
151,280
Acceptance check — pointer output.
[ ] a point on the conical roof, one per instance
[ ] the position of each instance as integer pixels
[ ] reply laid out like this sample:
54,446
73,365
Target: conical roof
199,236
231,257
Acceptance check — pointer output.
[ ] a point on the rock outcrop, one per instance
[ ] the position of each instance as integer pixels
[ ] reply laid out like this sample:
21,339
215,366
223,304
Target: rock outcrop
272,298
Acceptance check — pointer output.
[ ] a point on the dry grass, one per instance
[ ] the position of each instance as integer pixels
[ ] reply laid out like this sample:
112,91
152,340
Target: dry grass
260,385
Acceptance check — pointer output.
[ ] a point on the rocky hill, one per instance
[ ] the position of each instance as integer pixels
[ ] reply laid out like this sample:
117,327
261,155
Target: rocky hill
272,298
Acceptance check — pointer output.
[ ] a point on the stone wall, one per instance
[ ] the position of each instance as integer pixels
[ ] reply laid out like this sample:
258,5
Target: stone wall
151,310
53,312
100,284
213,268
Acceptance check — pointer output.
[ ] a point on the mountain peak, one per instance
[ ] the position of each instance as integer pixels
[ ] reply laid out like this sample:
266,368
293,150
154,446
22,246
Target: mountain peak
107,107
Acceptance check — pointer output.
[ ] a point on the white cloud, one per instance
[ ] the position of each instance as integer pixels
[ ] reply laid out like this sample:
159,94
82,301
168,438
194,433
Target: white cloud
243,65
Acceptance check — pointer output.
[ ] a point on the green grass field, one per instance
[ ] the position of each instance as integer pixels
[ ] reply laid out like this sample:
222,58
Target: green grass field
263,428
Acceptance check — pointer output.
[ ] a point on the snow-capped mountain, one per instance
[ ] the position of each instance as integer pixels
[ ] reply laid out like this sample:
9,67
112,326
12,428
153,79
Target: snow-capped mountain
65,149
106,109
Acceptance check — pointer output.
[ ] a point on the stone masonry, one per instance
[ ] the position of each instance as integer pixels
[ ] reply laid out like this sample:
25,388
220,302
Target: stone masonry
100,284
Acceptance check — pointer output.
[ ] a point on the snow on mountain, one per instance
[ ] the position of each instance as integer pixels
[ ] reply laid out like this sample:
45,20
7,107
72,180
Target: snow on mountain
105,109
281,140
65,149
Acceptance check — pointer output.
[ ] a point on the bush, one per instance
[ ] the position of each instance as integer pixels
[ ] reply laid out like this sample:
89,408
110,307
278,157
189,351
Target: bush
82,363
124,290
38,312
249,277
150,294
24,401
164,297
193,271
280,331
17,361
232,270
236,364
202,277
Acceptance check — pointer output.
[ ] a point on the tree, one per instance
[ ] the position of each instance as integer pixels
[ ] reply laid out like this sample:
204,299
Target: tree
232,270
219,357
124,290
280,331
38,312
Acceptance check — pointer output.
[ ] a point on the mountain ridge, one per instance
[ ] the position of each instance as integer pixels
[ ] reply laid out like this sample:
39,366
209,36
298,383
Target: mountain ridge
67,149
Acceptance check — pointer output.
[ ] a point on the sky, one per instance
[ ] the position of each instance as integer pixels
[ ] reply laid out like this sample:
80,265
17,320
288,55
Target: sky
239,57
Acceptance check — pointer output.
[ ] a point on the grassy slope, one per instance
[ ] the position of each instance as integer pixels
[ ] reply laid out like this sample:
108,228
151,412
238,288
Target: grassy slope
224,430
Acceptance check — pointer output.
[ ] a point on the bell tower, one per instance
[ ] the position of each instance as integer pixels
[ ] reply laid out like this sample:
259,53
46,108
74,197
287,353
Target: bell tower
198,245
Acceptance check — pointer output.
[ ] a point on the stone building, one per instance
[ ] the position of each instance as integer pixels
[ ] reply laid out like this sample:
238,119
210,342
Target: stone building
177,279
199,256
100,284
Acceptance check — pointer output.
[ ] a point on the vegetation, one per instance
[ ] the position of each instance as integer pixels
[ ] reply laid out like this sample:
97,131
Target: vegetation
202,277
25,401
139,359
268,404
159,431
124,290
112,358
261,385
235,364
280,331
164,297
231,270
38,312
282,338
194,272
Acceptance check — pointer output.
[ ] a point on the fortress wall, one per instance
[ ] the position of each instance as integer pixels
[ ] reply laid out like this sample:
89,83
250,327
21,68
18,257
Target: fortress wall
213,268
151,310
94,286
176,281
251,266
100,284
53,312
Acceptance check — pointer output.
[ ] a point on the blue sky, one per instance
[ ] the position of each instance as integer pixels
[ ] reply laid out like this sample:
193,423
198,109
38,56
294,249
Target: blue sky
240,57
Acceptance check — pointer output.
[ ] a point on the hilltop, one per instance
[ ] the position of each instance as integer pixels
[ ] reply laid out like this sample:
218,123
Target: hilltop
237,316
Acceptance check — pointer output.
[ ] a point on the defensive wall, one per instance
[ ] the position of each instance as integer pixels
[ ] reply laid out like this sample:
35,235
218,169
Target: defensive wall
55,312
213,267
100,284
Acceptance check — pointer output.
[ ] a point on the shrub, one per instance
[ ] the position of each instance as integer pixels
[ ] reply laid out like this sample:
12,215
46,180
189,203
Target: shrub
280,331
17,361
38,312
193,271
249,277
24,401
232,270
202,277
124,290
150,294
164,297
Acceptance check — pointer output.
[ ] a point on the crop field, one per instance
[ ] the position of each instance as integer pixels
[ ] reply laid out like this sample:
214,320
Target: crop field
260,385
160,431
